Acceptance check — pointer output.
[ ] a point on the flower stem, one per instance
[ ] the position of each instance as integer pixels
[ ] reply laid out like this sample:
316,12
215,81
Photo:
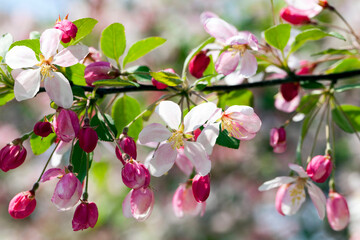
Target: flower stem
47,163
85,194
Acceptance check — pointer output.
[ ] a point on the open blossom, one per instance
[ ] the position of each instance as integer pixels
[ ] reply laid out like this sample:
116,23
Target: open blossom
85,216
177,135
278,139
337,211
138,204
291,194
29,72
184,202
12,156
22,205
236,44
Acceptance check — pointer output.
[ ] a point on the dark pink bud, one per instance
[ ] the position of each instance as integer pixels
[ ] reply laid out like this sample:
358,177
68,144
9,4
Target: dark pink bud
85,216
67,192
196,133
68,28
128,145
160,85
201,188
99,71
278,139
22,205
319,168
337,211
135,175
66,125
289,90
293,16
43,129
88,138
12,156
198,64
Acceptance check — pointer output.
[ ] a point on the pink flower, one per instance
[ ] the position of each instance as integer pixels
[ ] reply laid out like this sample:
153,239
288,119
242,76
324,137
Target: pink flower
184,202
319,168
293,16
286,106
278,139
183,163
128,145
160,85
99,71
66,124
88,138
291,194
43,129
178,135
337,211
198,64
22,205
309,8
135,175
138,204
236,46
29,72
85,216
12,156
68,28
201,188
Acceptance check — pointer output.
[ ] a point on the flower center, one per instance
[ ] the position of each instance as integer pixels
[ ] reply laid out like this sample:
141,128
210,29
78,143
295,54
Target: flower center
297,193
177,139
233,127
239,48
45,66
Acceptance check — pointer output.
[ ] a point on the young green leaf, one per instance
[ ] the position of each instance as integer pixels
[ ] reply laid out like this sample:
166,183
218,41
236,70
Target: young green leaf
347,117
33,44
311,85
79,160
6,95
308,103
39,144
344,65
99,124
238,97
113,41
76,74
347,87
115,82
84,26
168,78
278,36
332,51
139,73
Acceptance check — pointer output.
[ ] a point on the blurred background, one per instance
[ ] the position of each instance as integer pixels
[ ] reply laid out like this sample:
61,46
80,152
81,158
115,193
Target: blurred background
235,208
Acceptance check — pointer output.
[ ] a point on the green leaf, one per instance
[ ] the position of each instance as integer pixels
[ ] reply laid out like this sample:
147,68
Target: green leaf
345,65
139,73
201,83
210,70
79,160
304,130
39,144
347,87
308,103
332,51
168,78
238,97
194,52
6,96
142,47
5,42
78,91
226,141
85,27
347,117
113,41
124,110
311,85
312,34
33,44
278,36
262,65
115,82
98,122
76,74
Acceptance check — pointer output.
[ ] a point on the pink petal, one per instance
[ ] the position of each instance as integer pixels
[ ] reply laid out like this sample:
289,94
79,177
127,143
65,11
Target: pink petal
196,153
227,62
71,55
52,173
154,132
318,198
306,7
292,200
142,203
219,29
298,169
49,42
59,90
126,205
169,112
282,105
67,192
27,83
206,15
276,182
248,65
21,57
183,162
163,160
198,116
245,117
208,137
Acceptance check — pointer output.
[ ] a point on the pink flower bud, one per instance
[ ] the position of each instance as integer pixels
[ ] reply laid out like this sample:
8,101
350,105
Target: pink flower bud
160,85
85,216
22,205
67,192
66,125
99,71
293,16
68,28
184,202
201,188
289,90
128,145
198,64
88,138
12,156
138,204
43,129
337,211
135,175
319,168
278,139
306,68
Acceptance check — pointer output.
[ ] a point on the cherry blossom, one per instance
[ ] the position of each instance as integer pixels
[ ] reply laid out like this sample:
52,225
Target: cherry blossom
138,204
184,202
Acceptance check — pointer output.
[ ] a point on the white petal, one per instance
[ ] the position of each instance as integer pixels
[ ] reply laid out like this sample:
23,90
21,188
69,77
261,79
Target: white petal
198,116
248,65
49,42
20,57
59,90
234,78
208,137
126,205
293,199
71,55
219,29
246,110
298,169
27,83
276,182
163,160
169,112
318,198
197,155
154,132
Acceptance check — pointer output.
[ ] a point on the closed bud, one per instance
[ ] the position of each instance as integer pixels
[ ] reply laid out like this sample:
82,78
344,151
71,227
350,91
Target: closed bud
43,129
319,168
198,64
68,28
201,188
99,71
85,216
337,211
289,90
88,138
66,125
128,145
135,175
12,156
160,85
278,139
22,205
293,16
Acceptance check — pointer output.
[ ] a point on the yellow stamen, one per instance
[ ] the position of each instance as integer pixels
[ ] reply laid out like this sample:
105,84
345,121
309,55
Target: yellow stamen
177,139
